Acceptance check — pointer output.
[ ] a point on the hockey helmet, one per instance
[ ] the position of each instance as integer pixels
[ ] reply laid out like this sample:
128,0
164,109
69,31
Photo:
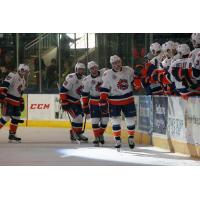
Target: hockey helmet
114,58
155,48
168,48
183,49
79,66
23,69
195,39
92,64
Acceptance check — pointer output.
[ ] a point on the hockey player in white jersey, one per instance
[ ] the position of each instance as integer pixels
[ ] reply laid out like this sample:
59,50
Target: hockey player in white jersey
192,73
70,94
117,93
195,56
177,70
169,51
153,87
90,102
11,93
195,38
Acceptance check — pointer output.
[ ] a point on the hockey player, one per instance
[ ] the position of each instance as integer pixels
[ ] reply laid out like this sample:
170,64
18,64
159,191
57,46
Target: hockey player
153,87
70,94
169,51
90,102
195,38
191,74
195,56
117,92
179,70
11,97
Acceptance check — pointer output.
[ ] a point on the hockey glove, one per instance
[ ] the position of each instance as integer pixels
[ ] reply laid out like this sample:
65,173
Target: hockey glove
103,107
65,106
21,104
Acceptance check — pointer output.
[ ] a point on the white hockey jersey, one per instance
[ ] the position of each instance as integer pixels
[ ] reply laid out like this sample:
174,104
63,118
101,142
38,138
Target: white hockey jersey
117,86
166,63
72,87
176,57
13,86
183,63
156,61
91,88
194,53
195,57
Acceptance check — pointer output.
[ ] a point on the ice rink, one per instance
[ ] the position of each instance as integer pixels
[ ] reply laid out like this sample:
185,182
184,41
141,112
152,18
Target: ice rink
52,147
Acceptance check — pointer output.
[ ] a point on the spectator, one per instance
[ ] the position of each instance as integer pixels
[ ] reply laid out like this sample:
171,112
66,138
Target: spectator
52,74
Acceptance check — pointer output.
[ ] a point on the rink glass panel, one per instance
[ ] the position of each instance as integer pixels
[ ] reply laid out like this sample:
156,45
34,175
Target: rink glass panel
38,49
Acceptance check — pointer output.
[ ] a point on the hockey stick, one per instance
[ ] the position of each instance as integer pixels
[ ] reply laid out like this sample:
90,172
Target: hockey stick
83,128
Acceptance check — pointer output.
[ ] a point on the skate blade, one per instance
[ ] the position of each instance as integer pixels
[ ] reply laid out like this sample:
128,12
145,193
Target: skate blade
76,141
131,150
14,141
84,141
118,149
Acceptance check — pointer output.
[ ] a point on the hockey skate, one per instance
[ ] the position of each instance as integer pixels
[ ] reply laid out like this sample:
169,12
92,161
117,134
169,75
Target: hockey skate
13,138
96,142
74,137
131,142
82,137
101,140
118,143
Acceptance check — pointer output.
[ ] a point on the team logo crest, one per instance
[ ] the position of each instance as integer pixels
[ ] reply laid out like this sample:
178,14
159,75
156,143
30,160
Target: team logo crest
122,84
93,82
98,85
79,90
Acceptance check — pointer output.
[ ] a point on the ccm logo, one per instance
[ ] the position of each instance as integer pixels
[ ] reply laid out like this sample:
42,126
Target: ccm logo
39,106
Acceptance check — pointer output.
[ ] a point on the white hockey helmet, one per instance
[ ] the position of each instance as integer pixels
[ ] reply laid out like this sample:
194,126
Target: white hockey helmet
79,66
92,64
155,47
183,49
195,37
23,69
168,46
114,58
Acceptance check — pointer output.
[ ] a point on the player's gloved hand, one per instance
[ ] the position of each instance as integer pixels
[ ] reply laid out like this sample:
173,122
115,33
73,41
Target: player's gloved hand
137,72
155,76
103,107
65,105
